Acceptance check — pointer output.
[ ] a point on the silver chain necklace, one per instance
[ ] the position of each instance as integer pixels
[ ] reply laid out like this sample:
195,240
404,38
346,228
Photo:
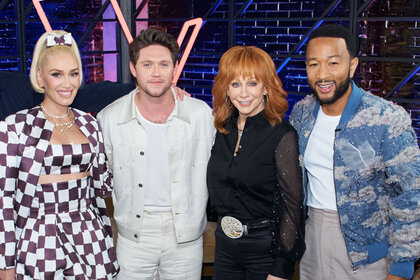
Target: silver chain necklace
55,117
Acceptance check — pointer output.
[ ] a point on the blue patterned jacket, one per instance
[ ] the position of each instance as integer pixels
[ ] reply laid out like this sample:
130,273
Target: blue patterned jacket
376,175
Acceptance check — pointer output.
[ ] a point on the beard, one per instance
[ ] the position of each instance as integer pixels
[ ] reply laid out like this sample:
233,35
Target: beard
340,90
155,95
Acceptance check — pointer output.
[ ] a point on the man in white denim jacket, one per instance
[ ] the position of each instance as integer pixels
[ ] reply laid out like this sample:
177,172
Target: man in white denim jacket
157,149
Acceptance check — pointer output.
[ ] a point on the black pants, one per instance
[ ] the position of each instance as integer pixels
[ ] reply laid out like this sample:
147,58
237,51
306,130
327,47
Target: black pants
246,258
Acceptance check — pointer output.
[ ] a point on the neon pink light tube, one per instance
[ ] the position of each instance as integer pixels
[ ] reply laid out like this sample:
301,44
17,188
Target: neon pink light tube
42,15
198,22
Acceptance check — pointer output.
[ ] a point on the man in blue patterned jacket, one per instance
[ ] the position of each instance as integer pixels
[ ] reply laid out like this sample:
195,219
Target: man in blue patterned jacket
361,164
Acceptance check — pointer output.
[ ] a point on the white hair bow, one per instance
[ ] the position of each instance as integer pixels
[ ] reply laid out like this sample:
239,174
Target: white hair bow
53,40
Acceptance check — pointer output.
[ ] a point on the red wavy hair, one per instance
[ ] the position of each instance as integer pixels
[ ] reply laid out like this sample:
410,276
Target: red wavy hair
246,62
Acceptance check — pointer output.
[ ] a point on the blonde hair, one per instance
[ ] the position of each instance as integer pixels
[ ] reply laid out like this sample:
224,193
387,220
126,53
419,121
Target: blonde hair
41,51
247,61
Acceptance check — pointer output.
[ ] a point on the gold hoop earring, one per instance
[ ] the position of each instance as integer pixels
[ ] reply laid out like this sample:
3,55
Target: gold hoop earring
265,98
227,102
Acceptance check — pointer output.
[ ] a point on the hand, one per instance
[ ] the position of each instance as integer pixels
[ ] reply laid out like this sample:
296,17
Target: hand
7,274
271,277
179,93
393,277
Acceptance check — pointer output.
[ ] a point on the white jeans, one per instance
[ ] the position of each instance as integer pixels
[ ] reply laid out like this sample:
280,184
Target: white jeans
159,252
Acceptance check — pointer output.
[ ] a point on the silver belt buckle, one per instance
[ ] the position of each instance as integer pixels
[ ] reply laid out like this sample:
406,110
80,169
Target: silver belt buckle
232,227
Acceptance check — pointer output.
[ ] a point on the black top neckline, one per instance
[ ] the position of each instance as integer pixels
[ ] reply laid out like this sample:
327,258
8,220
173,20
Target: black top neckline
258,121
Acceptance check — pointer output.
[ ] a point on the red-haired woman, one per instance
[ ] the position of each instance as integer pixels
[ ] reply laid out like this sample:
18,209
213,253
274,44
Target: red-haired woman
253,175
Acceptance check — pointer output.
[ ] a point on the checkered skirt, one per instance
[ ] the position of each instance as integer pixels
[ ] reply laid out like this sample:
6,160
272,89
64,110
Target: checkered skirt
64,237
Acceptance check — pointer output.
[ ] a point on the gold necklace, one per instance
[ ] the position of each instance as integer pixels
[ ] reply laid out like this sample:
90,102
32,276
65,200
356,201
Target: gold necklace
62,127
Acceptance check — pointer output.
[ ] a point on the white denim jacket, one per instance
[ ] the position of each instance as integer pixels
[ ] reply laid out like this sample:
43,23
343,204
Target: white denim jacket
190,136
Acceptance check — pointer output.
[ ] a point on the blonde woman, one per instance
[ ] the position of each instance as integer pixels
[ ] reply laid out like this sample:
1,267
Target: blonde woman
53,177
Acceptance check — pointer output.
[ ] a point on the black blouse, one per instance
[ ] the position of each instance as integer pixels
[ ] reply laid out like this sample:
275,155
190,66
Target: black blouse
262,181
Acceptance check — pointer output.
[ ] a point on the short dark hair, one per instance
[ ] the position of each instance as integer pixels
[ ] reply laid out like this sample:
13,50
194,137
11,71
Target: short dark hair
153,36
335,31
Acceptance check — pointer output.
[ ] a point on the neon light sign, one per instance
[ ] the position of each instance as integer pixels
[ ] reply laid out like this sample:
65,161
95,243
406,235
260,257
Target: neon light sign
197,23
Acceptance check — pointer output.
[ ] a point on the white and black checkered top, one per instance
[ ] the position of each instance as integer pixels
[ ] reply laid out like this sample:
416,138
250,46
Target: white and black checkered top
68,159
24,140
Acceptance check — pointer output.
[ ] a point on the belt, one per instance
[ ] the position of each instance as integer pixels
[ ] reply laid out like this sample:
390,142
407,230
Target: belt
234,229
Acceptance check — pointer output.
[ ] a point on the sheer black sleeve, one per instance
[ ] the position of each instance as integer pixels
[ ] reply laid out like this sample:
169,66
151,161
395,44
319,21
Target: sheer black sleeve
288,214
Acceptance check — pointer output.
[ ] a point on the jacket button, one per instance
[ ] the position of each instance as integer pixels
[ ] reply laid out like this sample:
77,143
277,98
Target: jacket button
140,185
136,236
138,216
141,153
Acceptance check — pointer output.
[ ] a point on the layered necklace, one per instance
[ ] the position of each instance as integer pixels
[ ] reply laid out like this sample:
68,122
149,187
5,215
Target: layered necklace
62,127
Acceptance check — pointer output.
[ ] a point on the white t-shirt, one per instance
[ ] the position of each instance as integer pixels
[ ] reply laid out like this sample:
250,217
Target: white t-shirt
319,161
157,195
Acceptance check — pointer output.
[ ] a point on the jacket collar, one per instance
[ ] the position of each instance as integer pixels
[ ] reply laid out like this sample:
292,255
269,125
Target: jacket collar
352,104
40,117
81,121
180,110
